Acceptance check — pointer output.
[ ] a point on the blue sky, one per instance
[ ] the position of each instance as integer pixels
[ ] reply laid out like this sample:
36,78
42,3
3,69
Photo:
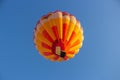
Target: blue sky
98,59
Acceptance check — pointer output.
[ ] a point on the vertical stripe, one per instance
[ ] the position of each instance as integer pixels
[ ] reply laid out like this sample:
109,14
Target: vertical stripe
71,26
71,52
70,46
45,45
55,31
65,28
76,43
47,36
72,37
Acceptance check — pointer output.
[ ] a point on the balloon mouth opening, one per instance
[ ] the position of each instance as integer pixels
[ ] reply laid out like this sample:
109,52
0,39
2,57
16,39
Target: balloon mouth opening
62,54
58,48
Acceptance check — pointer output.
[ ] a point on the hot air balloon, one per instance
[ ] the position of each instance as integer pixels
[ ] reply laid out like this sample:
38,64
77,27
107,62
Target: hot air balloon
58,36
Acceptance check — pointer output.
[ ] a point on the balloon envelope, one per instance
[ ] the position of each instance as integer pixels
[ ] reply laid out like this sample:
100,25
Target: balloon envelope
58,36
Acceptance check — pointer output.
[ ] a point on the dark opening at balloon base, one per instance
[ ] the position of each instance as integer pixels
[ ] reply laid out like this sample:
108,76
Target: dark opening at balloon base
62,54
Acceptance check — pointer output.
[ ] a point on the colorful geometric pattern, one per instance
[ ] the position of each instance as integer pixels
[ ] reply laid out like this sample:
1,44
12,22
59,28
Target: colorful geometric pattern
58,36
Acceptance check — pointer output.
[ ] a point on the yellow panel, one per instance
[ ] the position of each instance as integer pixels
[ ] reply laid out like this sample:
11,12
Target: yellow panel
75,47
51,57
79,33
42,49
77,51
51,23
39,37
77,27
70,55
58,22
46,24
71,26
66,19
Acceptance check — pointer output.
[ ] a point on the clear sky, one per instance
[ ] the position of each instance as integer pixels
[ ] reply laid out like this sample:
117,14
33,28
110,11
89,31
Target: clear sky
98,59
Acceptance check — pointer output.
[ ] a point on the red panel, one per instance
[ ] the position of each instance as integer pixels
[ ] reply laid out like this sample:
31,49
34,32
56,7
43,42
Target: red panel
55,31
47,53
56,57
45,45
47,36
65,28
